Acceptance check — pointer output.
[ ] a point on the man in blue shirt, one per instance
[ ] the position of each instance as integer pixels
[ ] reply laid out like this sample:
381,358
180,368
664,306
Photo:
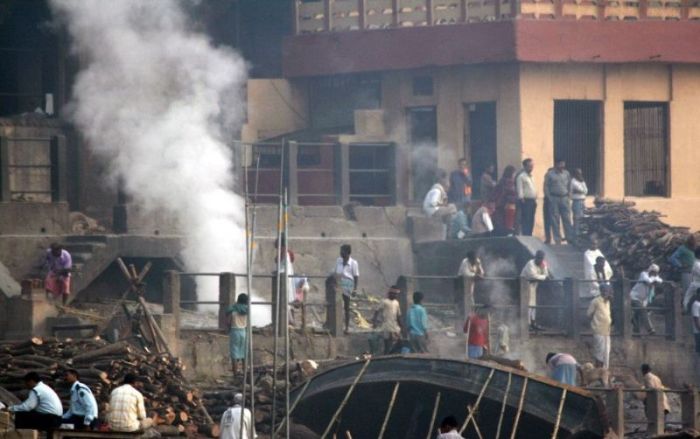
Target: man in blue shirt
417,322
41,410
83,407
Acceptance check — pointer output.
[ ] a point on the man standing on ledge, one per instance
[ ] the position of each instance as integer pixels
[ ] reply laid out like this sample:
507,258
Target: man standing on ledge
534,272
58,263
527,197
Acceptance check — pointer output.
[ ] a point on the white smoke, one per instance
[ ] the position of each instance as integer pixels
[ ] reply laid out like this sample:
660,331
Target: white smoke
157,101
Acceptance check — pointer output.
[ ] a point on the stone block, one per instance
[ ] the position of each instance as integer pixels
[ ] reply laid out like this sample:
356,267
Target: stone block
20,434
424,229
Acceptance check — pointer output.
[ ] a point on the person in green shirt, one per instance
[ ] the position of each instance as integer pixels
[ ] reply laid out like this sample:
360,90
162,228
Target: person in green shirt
683,260
238,322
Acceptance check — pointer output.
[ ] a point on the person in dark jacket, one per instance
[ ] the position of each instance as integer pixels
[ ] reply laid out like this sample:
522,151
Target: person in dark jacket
460,192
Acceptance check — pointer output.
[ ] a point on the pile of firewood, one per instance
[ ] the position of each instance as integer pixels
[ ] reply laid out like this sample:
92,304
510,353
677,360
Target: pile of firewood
170,401
631,240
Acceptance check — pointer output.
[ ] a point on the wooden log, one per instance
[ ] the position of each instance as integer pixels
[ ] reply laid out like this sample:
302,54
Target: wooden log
170,430
210,430
7,397
112,349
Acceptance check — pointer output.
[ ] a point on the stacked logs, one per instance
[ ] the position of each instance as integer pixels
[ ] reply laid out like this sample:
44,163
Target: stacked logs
170,401
631,240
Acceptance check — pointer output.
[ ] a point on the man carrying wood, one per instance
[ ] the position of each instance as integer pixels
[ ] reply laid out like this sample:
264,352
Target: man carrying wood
83,406
231,421
41,410
127,411
58,263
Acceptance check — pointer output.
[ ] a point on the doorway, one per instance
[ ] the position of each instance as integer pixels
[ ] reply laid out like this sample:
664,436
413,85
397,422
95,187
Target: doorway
577,139
481,139
422,125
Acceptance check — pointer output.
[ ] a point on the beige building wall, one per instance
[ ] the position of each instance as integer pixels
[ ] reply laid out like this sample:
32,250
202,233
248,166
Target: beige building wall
275,107
454,88
542,84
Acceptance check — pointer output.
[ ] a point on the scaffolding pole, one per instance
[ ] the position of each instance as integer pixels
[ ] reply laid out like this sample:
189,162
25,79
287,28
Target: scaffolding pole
520,410
388,410
478,401
432,418
285,320
503,406
276,304
345,399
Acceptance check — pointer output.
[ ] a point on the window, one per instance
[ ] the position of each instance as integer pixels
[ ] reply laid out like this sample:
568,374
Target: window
577,138
372,174
334,99
423,86
646,149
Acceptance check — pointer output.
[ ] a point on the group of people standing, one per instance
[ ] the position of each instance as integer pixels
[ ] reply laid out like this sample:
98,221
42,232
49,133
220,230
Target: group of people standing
508,205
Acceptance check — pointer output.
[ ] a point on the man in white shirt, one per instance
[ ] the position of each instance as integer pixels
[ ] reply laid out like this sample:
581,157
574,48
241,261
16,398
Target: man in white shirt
41,410
642,295
527,197
482,225
231,421
347,276
534,272
449,429
591,274
695,313
577,192
471,269
435,204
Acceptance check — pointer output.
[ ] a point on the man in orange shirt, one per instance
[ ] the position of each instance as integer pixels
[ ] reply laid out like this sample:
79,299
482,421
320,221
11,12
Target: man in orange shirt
476,328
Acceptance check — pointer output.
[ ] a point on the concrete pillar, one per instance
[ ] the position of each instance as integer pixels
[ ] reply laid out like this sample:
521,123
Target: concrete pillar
615,404
675,311
571,291
626,314
171,298
344,174
690,404
524,318
4,169
292,178
227,296
59,169
655,413
334,312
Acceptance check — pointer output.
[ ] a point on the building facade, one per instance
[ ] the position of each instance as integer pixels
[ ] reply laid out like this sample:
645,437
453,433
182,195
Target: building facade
609,87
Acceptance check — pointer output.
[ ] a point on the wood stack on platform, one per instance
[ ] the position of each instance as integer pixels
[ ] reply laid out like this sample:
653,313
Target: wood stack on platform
170,400
631,240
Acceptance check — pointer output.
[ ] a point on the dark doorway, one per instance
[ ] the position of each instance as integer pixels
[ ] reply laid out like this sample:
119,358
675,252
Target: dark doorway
481,120
577,138
422,123
646,149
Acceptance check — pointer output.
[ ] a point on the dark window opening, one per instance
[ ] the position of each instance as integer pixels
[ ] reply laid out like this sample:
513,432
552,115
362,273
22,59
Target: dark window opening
423,86
334,99
481,121
372,174
577,139
422,122
646,149
308,156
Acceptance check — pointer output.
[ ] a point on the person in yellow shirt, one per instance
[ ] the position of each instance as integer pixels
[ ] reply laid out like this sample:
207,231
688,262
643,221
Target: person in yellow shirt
601,322
126,408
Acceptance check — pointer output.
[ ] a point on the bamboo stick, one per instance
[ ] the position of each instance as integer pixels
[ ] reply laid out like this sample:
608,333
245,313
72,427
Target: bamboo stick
559,412
478,401
345,399
520,409
476,426
432,418
388,411
503,406
291,409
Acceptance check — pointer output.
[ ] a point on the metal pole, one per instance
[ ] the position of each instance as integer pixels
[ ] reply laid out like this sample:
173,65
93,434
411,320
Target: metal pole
285,300
388,410
248,268
249,323
276,304
296,401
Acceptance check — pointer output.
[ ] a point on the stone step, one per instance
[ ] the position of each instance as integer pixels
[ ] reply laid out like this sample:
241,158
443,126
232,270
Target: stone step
87,238
88,247
81,257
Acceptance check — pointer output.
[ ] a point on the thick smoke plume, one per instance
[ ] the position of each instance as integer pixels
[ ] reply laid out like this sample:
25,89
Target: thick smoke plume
157,101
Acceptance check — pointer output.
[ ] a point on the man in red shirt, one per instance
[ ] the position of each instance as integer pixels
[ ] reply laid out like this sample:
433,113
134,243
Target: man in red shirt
476,328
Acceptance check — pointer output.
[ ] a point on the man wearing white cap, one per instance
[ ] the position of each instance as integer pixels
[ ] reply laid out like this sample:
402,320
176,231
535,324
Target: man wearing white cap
231,421
642,295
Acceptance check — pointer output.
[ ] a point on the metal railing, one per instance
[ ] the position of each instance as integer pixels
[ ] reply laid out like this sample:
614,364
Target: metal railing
319,173
560,306
313,16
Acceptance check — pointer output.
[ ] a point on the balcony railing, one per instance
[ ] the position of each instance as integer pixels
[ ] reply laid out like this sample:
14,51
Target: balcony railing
312,16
